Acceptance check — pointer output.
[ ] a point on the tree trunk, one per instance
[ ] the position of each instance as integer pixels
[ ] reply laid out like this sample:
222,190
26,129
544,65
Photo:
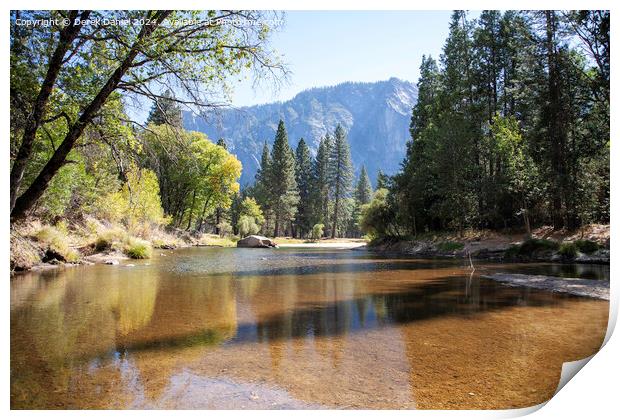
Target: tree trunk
337,204
41,182
67,36
218,216
557,129
202,215
191,211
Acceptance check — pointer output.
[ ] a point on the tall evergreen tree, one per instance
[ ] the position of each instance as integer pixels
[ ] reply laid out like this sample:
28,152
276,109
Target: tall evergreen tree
262,186
363,190
361,196
340,175
304,178
382,180
166,110
283,187
321,186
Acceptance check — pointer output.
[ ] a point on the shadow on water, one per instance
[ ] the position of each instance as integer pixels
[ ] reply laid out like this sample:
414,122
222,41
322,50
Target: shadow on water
457,296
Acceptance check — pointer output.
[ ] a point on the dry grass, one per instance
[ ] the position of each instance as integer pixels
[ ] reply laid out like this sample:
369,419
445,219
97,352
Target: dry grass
288,240
215,240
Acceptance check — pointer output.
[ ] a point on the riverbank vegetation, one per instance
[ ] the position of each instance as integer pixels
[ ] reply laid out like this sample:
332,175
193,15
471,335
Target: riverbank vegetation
510,132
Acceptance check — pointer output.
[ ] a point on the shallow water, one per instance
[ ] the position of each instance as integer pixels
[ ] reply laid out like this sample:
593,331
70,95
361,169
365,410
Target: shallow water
294,328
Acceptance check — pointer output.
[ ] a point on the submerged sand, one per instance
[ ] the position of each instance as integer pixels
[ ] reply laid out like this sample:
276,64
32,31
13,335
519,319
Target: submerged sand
598,289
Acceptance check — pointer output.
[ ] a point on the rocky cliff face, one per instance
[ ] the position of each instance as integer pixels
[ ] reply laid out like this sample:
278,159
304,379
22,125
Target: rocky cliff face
375,115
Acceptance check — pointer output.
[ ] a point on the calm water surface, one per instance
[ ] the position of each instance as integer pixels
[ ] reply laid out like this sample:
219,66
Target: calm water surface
305,328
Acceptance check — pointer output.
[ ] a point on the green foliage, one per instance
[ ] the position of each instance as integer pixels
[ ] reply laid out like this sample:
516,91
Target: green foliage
165,110
137,249
317,231
511,129
321,188
137,203
247,226
568,250
57,241
304,177
250,217
283,193
450,246
363,190
195,176
340,175
586,246
224,228
383,180
180,57
377,218
533,246
250,208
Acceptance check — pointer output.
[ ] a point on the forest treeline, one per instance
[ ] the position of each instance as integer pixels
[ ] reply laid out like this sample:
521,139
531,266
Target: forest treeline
511,128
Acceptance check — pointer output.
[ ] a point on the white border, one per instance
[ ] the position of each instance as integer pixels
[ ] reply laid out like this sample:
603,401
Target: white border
593,394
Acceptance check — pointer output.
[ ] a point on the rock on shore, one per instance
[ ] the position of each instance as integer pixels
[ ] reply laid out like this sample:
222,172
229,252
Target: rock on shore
255,241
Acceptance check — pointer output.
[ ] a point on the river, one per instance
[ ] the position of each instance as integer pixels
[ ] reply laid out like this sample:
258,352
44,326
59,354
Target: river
294,328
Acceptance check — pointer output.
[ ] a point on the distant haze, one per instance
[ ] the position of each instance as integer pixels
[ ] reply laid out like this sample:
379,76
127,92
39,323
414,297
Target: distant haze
376,117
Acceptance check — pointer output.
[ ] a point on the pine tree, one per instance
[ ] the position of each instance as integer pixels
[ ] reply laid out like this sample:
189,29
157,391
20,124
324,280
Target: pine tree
321,187
382,180
165,110
304,178
362,195
340,175
283,187
262,186
363,190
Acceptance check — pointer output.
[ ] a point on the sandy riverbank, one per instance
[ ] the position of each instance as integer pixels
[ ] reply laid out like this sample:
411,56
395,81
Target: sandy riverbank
332,245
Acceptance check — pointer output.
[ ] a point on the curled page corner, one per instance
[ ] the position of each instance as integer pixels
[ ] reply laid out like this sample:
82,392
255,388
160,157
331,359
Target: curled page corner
569,370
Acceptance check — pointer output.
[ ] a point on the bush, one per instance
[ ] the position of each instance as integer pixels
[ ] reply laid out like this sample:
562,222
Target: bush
317,231
587,247
137,249
111,239
532,246
58,243
449,246
568,250
225,228
512,251
247,226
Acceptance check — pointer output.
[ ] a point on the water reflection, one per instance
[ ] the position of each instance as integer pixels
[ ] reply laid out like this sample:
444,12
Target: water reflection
350,323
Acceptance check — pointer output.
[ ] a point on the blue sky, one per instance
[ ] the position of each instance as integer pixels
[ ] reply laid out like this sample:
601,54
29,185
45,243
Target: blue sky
324,48
327,48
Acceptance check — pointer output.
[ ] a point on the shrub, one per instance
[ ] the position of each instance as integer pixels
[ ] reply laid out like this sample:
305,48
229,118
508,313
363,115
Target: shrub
568,250
225,228
532,246
586,246
137,249
449,246
317,231
57,242
247,226
111,239
512,251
